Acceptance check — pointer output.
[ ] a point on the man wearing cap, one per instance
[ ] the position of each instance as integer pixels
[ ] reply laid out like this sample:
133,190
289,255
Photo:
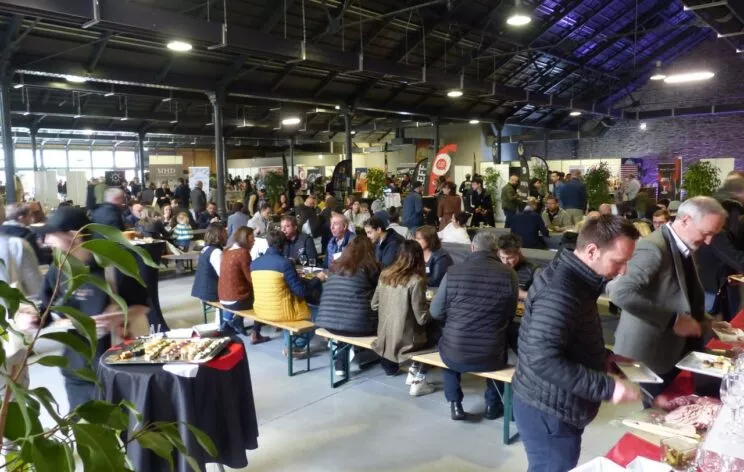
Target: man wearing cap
413,207
89,299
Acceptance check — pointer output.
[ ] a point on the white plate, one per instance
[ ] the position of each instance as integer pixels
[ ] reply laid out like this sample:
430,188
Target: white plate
729,337
693,362
638,372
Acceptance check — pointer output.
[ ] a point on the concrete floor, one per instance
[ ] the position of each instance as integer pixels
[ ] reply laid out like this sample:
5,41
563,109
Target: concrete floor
371,423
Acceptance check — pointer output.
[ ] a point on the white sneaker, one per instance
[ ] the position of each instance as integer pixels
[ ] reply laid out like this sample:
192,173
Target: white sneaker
412,373
421,388
339,373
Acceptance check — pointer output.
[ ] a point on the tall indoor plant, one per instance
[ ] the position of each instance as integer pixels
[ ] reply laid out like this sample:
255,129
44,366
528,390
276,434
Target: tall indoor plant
597,186
92,430
375,182
492,182
701,178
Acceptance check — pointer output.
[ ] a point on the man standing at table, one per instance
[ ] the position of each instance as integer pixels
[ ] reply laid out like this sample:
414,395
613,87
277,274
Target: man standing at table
481,204
510,200
413,208
660,296
198,198
573,197
561,376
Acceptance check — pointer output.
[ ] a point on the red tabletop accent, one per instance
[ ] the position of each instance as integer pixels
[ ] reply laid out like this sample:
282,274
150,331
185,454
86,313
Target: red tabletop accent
631,446
230,357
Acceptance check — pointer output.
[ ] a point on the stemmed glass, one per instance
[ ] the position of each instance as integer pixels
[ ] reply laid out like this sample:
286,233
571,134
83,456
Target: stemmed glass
312,263
302,259
732,395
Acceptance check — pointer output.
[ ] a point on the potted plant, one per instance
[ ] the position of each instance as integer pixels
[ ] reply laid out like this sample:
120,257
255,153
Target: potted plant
94,429
701,178
275,184
597,186
375,183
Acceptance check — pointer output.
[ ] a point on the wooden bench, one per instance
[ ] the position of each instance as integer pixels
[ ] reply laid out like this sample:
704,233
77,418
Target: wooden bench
188,257
504,375
293,329
337,350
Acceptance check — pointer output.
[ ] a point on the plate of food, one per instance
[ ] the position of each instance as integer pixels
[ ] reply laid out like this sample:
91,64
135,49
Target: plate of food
728,333
160,350
706,364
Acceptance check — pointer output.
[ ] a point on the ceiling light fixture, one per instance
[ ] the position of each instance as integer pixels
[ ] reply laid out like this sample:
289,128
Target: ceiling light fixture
20,84
658,72
455,93
353,132
575,113
126,111
689,77
518,16
338,107
109,94
643,126
179,46
76,79
291,121
474,122
87,131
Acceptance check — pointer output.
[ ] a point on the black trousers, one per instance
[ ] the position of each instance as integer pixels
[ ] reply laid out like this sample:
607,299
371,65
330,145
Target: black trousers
453,391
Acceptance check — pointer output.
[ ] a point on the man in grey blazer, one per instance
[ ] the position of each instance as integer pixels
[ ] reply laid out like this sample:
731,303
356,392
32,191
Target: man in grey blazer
662,301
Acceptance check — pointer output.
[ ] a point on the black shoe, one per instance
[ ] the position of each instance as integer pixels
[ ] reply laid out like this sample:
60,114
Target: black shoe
458,414
494,412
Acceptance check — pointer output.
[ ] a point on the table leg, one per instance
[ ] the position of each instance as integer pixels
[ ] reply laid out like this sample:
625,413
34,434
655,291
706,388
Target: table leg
290,349
507,412
204,312
335,351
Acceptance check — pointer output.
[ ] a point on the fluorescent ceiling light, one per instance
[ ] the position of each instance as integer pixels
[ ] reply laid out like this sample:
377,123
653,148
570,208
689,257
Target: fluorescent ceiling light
454,93
353,132
76,79
17,86
124,118
179,46
88,131
173,122
474,122
689,77
643,126
291,121
575,113
109,94
658,76
26,113
338,107
518,19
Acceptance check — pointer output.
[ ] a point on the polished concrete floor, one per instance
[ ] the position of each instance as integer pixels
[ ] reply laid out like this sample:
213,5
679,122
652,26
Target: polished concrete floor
371,423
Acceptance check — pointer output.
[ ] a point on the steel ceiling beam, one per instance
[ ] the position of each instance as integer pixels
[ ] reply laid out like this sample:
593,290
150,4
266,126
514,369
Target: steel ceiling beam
98,51
415,38
273,14
281,77
128,16
325,83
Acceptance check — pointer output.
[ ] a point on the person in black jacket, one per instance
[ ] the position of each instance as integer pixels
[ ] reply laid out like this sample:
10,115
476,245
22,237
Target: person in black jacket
480,204
724,256
510,254
386,241
111,211
297,243
561,376
476,301
529,225
345,305
17,219
307,217
182,192
437,260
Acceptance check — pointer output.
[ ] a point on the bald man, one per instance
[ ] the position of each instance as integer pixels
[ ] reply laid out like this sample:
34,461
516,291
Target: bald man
605,209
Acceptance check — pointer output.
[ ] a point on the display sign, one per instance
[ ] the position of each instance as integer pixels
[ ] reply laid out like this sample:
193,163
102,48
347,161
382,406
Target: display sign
420,172
161,172
360,179
670,179
441,166
114,178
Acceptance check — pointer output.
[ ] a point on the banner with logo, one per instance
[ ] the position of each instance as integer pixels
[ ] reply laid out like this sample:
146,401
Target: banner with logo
441,166
199,174
114,178
420,172
162,172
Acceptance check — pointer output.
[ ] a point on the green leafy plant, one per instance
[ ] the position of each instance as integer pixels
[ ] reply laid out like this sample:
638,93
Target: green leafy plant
94,429
275,184
492,182
701,178
375,182
597,186
539,171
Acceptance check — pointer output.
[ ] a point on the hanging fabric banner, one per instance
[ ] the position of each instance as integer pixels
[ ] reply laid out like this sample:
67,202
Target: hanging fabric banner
441,166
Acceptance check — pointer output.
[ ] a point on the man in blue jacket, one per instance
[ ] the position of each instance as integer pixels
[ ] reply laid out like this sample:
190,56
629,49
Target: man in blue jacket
387,242
413,207
340,237
528,225
573,197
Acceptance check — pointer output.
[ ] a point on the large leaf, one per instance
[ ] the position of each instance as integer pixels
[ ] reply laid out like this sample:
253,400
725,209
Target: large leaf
53,361
102,285
22,400
132,409
109,253
73,341
204,441
114,234
86,373
172,433
13,297
15,424
83,323
157,443
47,400
71,267
98,448
105,413
48,455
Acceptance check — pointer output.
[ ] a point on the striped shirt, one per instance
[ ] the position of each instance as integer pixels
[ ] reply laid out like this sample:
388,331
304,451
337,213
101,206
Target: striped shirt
183,232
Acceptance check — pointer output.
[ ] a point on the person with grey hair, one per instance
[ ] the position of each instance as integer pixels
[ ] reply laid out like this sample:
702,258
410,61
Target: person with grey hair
476,300
17,217
20,267
724,256
111,211
529,226
661,300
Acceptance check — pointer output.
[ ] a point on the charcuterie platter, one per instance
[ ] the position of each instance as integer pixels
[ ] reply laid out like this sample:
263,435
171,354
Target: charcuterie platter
159,350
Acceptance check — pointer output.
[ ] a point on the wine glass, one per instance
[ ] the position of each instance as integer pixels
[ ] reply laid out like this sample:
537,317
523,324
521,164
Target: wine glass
302,259
312,262
732,395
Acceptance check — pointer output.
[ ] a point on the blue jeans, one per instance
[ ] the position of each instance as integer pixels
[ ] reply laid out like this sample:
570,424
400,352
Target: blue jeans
551,444
301,341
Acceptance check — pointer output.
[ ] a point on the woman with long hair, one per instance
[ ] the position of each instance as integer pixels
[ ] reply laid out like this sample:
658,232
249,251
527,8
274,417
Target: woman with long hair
400,301
356,215
355,272
169,219
150,224
437,260
235,287
282,205
449,204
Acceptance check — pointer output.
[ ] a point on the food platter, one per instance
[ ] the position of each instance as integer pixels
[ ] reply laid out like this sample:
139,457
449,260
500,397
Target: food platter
159,350
638,372
729,334
706,364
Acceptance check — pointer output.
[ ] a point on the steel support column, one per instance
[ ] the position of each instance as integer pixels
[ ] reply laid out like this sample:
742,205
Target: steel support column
141,161
291,157
437,137
32,133
347,137
497,157
218,99
10,190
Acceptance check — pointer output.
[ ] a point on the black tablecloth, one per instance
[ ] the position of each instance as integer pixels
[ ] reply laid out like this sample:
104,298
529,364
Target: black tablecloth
218,402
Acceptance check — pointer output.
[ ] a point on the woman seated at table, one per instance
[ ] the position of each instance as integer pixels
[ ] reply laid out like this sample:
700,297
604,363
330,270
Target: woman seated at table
207,275
437,260
455,231
282,205
150,225
235,286
345,305
355,215
400,301
169,219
